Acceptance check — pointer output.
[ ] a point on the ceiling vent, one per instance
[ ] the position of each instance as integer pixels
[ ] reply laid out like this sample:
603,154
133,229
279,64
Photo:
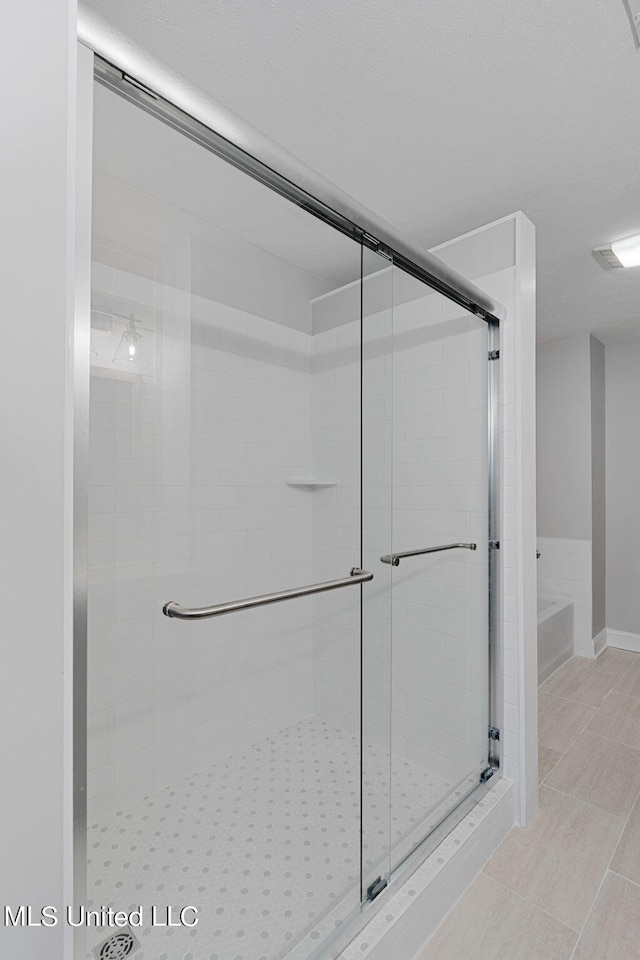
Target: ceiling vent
620,253
606,258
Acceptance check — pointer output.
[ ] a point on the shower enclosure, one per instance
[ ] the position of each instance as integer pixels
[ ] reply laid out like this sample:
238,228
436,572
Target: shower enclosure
291,550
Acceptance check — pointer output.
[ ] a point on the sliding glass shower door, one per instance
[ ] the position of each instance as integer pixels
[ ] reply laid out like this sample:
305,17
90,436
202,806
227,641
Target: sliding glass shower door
224,745
288,556
425,495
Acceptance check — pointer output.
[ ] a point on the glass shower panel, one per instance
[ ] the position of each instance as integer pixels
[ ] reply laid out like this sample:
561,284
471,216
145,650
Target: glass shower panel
224,754
377,515
440,650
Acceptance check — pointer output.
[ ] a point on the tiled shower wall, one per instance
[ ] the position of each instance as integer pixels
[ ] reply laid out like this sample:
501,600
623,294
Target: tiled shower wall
336,523
188,502
189,495
424,441
440,608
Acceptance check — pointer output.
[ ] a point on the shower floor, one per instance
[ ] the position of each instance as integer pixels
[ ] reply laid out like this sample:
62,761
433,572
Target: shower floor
266,845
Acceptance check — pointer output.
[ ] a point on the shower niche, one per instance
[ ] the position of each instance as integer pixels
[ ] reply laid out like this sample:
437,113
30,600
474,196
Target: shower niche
273,406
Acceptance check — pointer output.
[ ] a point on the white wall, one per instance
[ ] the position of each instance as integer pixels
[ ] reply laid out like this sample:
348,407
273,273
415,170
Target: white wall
37,255
623,484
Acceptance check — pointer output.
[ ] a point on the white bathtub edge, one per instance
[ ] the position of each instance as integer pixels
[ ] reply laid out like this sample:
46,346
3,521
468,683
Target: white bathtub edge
556,636
556,604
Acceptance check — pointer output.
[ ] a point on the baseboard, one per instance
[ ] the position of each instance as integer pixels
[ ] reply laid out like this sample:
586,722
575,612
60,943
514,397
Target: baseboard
407,921
600,643
623,641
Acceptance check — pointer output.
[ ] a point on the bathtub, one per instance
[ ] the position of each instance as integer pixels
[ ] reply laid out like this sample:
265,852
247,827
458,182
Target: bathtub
555,634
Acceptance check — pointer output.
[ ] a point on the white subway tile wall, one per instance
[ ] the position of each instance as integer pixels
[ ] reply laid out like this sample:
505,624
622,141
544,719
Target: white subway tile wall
336,522
189,502
424,436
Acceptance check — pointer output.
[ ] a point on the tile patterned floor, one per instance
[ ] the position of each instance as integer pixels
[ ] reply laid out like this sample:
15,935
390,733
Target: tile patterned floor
266,845
568,886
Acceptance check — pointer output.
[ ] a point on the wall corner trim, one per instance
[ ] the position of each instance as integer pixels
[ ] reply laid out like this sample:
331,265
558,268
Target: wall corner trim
600,643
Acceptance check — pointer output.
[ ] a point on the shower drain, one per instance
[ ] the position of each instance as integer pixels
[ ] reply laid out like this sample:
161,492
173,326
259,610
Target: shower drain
118,946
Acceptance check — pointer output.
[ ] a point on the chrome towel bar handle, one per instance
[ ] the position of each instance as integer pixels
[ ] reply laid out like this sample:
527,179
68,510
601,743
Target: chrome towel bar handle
395,558
173,609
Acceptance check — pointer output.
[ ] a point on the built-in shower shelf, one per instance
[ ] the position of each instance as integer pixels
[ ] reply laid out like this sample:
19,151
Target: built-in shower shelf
310,482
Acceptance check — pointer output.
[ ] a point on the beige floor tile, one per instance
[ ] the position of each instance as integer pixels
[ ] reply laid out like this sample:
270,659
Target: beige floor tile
547,760
586,681
560,721
629,682
617,660
599,771
627,856
492,923
618,718
559,860
613,929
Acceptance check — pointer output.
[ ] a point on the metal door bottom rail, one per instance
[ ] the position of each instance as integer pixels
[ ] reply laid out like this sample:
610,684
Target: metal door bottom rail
173,609
395,558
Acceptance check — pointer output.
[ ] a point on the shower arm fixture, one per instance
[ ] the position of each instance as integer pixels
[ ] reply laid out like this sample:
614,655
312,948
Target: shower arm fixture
173,609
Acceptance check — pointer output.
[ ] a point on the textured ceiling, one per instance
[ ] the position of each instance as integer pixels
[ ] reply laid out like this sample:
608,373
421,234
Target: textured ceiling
441,116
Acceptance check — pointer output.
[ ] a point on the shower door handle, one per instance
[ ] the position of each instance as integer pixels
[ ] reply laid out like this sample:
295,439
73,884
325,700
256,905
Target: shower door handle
395,558
173,609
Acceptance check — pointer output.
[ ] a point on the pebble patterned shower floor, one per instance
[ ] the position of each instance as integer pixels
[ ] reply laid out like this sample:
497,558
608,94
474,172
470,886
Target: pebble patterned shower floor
266,845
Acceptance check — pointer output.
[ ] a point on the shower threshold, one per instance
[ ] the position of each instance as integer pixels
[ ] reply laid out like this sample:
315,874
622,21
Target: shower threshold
265,845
